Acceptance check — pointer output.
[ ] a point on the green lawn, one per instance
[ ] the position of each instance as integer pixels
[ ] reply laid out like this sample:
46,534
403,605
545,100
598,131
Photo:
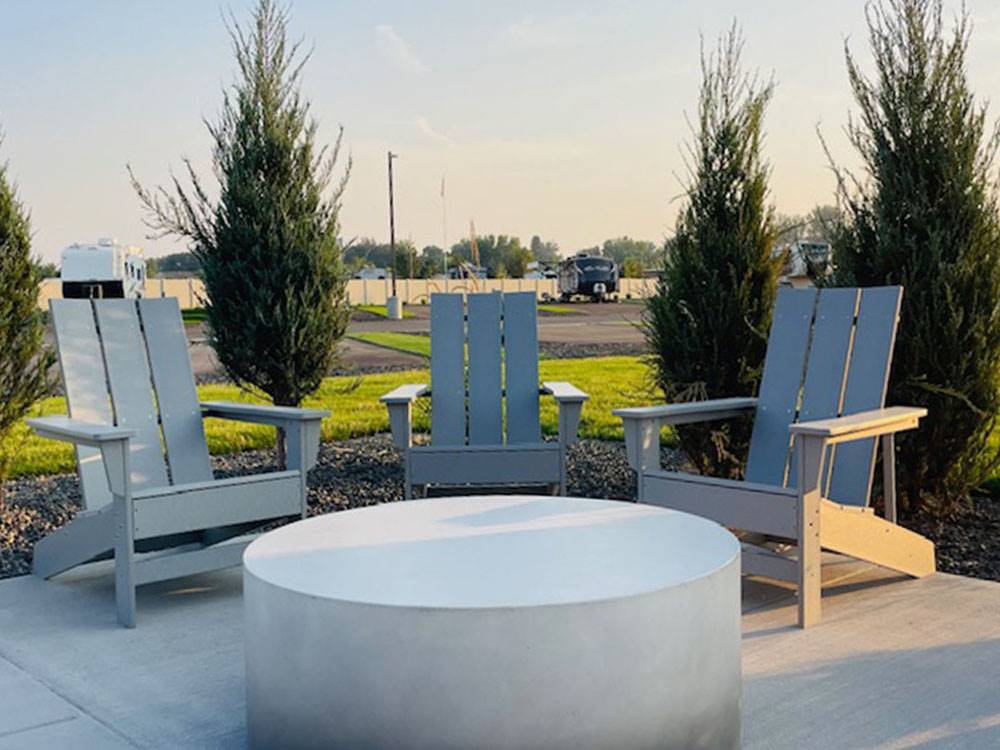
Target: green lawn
380,310
612,382
410,343
558,310
194,315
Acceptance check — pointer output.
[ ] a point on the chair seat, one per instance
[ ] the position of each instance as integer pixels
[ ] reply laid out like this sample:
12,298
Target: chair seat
750,506
223,502
178,489
523,463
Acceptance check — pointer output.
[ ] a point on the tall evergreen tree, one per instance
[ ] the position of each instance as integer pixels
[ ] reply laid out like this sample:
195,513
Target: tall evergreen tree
24,359
706,326
268,246
925,216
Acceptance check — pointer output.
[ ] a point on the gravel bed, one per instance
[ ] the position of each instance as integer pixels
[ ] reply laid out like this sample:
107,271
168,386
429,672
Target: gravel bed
33,507
968,542
348,474
366,471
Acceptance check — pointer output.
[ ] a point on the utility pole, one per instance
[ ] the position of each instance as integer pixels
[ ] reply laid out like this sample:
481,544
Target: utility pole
393,309
392,225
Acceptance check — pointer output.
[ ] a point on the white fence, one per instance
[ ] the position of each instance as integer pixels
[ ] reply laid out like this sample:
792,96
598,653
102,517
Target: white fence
375,291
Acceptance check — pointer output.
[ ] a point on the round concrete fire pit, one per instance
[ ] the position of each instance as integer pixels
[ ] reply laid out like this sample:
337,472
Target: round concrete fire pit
494,621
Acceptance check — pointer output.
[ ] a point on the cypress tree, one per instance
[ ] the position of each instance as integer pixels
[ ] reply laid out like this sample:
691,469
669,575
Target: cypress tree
924,215
707,324
24,358
268,247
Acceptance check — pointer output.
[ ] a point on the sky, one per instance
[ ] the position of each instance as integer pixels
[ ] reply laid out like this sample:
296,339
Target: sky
563,119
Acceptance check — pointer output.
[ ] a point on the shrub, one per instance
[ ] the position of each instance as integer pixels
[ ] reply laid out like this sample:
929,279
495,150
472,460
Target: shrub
925,216
632,268
706,325
267,247
24,359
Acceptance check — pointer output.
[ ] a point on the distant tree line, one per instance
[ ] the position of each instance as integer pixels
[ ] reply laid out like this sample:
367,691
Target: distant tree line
502,255
819,224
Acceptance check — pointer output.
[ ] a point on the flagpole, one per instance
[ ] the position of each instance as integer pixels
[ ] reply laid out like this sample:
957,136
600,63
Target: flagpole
444,229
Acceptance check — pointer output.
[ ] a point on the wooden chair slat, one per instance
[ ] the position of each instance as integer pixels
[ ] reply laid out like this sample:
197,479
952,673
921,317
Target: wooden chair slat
81,362
779,388
485,390
823,390
867,383
520,331
447,370
176,394
132,389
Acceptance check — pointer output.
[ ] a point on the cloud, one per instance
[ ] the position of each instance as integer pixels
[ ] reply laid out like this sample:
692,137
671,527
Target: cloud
425,129
396,48
534,34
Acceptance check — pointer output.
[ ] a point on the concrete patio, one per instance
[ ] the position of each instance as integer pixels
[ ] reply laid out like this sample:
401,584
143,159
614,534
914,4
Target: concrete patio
894,664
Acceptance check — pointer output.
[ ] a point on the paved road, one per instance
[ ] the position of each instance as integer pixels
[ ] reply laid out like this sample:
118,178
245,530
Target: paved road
589,324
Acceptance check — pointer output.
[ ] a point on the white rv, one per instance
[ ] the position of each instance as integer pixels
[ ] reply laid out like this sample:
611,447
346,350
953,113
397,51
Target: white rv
370,273
102,269
806,258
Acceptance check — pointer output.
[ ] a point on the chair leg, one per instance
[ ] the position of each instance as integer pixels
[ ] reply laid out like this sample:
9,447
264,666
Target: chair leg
889,475
810,464
116,462
563,481
407,485
125,562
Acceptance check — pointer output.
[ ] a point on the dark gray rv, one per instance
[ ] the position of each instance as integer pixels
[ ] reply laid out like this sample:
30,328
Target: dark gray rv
589,276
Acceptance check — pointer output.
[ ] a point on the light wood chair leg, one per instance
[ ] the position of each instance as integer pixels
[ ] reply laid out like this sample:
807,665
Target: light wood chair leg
810,465
889,476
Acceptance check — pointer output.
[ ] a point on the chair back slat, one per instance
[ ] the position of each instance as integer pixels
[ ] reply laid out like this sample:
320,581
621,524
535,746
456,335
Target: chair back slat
520,332
176,394
781,381
485,394
867,383
131,389
823,390
81,362
447,370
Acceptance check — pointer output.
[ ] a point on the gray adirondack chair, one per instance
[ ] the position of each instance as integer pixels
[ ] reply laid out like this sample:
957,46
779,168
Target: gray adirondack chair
467,400
131,393
812,450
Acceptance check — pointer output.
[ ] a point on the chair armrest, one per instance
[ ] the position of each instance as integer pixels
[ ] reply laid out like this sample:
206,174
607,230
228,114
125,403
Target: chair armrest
694,411
570,400
399,403
78,432
301,427
112,441
260,413
862,425
563,392
406,394
642,424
